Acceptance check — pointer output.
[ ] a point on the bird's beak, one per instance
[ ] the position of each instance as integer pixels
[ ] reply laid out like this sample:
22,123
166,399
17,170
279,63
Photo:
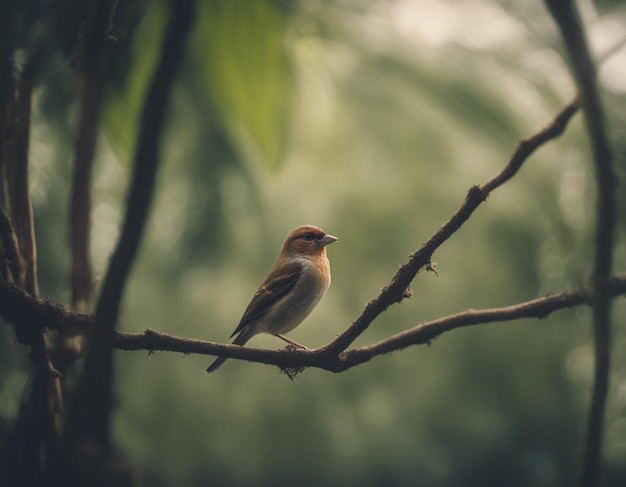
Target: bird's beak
326,240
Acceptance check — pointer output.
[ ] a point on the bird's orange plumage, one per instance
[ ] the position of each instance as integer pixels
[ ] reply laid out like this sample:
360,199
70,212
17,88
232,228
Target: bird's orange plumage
291,290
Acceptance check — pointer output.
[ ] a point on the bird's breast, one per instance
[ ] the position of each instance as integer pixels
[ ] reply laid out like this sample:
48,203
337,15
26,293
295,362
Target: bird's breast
290,311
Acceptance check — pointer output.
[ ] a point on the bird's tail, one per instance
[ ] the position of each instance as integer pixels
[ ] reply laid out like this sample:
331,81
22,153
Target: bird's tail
241,339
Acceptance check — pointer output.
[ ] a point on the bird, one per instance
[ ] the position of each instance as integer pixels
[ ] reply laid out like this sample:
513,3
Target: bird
292,289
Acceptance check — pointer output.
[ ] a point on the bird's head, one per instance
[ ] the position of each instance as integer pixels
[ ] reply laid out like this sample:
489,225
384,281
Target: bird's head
307,240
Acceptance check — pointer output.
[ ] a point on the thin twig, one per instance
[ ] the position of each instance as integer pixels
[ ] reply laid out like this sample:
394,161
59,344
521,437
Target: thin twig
9,242
395,291
21,207
568,20
426,332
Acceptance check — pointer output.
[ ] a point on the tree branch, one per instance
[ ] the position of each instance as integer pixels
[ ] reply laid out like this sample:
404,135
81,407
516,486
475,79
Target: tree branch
568,20
25,312
41,415
426,332
397,289
93,399
94,47
152,340
15,304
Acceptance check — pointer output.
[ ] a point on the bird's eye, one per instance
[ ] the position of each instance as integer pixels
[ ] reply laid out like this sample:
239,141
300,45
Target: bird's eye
308,236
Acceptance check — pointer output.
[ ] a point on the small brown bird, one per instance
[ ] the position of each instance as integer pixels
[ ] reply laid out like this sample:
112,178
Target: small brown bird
291,290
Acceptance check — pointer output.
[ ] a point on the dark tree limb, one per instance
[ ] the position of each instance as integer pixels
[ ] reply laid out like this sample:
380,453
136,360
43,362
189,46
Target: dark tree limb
583,69
24,311
89,419
41,412
46,398
94,49
18,231
90,63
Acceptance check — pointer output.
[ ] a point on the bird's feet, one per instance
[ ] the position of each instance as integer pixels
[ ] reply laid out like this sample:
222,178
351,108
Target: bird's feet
291,342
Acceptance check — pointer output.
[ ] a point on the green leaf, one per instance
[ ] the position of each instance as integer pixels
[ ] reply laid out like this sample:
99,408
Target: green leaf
240,57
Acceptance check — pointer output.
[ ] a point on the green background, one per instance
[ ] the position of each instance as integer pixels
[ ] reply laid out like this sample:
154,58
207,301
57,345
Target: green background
371,120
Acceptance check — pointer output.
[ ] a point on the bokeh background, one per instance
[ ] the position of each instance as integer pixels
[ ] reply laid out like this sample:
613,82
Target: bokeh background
370,119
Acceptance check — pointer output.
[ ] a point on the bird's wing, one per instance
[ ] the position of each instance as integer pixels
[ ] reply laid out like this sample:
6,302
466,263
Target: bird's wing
277,284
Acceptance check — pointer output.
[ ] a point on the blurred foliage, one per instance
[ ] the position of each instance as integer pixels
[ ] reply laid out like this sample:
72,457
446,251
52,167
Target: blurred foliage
238,70
244,74
370,119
